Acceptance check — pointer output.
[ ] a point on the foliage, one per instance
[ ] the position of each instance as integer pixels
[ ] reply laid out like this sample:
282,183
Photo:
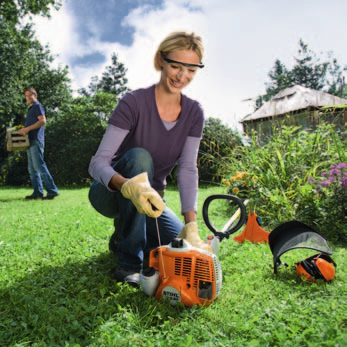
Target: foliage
308,72
74,136
24,62
326,199
277,178
113,80
13,11
100,104
238,185
216,146
56,287
14,170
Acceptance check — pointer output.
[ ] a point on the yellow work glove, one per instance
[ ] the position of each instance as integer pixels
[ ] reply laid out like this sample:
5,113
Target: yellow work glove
143,196
190,233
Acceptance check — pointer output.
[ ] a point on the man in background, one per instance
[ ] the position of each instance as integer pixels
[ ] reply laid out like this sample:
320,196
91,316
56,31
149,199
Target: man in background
38,171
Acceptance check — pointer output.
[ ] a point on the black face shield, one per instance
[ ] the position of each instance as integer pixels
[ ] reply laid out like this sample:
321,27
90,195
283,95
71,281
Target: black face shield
295,235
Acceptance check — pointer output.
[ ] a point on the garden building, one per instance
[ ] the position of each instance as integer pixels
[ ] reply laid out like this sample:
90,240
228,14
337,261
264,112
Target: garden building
296,106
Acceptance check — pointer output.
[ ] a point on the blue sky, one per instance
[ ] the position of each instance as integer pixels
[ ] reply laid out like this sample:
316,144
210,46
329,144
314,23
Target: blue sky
243,38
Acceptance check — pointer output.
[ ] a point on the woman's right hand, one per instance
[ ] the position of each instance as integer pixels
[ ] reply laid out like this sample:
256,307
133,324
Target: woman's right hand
143,196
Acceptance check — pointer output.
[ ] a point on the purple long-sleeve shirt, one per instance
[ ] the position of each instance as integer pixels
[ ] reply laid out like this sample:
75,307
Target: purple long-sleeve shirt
136,123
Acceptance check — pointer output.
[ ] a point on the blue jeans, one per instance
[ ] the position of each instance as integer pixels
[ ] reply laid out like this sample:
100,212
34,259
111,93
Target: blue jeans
137,232
38,170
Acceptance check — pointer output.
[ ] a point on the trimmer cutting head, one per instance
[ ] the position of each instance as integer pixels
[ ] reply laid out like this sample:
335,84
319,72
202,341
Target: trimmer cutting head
293,235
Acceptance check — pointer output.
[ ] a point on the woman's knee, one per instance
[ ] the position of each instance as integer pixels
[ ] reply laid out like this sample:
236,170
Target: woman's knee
103,201
134,162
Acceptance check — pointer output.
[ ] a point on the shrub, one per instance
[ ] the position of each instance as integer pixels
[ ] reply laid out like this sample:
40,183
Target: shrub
74,137
14,171
325,199
277,178
71,141
216,147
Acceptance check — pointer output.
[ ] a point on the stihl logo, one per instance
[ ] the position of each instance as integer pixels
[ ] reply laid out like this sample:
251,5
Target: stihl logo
172,294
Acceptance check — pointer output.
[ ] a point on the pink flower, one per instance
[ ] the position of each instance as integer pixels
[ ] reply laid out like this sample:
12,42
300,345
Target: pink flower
310,179
342,166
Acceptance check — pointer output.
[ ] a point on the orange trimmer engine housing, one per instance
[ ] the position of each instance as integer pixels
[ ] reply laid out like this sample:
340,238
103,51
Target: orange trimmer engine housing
186,274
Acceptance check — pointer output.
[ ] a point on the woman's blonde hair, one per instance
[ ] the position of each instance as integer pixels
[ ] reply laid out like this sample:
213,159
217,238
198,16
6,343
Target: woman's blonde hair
178,41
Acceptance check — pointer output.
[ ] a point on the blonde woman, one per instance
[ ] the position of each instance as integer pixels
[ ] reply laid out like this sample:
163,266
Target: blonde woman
150,131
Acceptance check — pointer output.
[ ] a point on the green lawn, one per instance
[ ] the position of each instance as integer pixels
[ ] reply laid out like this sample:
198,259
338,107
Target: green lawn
56,287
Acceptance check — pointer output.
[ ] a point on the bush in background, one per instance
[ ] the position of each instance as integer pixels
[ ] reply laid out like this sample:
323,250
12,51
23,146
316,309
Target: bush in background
15,170
74,137
72,140
217,145
279,179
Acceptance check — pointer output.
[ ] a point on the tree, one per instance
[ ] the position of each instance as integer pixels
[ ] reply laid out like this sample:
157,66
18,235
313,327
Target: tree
308,71
25,62
280,79
113,80
100,104
13,11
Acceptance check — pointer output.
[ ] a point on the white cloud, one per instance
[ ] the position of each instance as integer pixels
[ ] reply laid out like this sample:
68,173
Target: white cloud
242,39
58,32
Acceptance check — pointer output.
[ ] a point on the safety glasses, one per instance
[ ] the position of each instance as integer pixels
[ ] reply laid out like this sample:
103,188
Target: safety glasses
184,64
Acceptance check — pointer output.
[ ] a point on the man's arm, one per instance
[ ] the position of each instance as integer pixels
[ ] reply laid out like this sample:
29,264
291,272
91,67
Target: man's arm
41,122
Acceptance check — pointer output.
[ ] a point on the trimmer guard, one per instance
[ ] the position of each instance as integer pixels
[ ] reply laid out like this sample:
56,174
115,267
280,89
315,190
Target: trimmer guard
292,235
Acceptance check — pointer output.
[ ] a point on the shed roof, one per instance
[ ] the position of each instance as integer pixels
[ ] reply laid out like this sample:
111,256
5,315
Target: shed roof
293,99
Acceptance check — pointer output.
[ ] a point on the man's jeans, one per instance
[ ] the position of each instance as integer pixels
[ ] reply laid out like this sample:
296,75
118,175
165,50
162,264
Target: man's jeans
38,170
137,232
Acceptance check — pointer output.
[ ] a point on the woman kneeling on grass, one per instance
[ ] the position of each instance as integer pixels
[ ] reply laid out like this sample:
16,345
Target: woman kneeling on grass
150,131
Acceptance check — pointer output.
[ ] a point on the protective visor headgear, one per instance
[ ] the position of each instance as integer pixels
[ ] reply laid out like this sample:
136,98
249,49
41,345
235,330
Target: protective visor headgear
318,267
297,235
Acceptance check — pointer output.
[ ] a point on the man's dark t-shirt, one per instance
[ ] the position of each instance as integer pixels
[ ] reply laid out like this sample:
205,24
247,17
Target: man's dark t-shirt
35,110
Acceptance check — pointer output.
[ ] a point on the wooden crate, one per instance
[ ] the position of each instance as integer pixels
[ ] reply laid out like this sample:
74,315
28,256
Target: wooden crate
15,141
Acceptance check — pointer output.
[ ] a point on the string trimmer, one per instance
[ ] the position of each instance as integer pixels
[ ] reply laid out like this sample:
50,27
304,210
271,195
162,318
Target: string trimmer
179,272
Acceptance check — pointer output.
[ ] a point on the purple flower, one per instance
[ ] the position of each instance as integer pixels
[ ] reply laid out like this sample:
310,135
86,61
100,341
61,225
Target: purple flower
324,174
342,166
310,179
324,184
334,172
331,179
344,183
